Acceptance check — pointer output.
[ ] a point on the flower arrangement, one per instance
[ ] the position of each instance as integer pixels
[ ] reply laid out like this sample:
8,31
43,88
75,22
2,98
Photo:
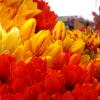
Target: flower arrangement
42,60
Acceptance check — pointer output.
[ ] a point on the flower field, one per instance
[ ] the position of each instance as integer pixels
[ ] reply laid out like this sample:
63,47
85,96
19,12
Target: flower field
42,60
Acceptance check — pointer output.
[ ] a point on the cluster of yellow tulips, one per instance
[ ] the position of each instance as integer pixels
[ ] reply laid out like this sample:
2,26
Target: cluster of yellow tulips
24,43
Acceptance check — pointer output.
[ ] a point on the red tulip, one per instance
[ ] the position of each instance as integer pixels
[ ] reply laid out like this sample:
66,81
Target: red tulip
68,96
54,81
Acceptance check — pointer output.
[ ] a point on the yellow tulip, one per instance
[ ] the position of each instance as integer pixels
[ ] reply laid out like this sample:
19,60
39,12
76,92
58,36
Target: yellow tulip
16,12
12,2
28,29
53,49
67,42
59,31
0,39
40,41
11,39
23,51
19,53
76,34
77,46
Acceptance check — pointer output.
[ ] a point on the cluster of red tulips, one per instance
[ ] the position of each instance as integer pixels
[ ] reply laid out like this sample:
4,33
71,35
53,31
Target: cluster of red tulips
66,79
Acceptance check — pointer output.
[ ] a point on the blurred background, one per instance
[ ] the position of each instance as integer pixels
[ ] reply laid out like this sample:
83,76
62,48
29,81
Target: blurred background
77,13
80,8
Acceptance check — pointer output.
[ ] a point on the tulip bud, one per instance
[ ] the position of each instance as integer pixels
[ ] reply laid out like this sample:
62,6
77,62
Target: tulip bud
59,31
54,49
11,2
19,53
11,39
76,34
67,42
40,41
28,29
75,58
77,46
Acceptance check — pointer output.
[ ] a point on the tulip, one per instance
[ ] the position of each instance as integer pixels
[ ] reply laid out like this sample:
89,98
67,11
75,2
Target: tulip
40,41
12,2
59,31
67,42
10,40
76,34
19,53
75,58
16,12
53,49
77,46
28,29
23,52
95,69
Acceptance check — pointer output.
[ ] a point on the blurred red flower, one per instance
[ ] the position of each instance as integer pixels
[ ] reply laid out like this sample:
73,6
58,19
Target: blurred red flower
7,63
74,74
47,18
95,69
68,96
85,92
54,81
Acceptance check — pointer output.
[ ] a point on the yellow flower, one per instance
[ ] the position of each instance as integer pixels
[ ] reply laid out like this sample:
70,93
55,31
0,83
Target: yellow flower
40,41
53,49
77,46
28,29
23,51
27,9
59,31
67,42
12,2
76,34
10,40
19,53
17,13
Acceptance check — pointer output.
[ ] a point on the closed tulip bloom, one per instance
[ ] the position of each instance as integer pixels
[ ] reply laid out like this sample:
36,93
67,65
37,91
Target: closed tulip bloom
77,46
59,31
10,40
40,41
53,49
28,29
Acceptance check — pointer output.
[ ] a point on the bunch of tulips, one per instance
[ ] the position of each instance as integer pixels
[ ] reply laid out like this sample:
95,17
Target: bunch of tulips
42,60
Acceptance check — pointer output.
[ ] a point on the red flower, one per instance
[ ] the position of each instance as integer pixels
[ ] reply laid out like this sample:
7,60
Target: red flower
44,96
54,81
31,93
7,97
33,71
46,19
68,96
60,60
85,92
42,4
56,96
7,63
74,74
95,69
